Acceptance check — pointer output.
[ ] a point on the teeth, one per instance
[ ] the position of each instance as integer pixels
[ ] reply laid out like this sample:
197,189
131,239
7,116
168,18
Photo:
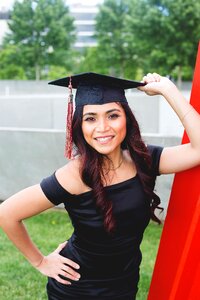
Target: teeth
103,139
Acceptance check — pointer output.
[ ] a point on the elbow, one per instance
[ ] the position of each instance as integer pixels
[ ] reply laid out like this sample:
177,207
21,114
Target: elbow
6,218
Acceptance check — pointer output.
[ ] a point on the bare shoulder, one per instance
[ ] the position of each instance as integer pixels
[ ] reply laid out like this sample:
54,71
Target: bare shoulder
71,168
69,177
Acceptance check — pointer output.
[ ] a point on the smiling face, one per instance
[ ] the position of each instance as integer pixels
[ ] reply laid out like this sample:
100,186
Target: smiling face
104,127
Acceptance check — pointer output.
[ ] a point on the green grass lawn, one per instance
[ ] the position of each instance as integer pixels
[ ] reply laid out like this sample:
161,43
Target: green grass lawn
20,281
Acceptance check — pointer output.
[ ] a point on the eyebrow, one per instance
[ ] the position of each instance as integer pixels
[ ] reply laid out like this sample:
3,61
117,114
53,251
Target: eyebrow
107,112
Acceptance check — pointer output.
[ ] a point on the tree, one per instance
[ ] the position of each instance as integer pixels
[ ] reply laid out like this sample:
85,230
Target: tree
9,66
43,32
166,33
92,59
113,53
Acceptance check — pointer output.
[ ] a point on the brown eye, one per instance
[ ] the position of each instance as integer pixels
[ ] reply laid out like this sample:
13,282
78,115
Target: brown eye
113,116
89,119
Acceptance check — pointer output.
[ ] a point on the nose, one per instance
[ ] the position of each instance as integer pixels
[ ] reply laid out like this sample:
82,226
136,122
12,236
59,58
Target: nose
102,125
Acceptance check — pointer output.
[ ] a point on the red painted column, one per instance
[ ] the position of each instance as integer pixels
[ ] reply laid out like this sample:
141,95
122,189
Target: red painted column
176,274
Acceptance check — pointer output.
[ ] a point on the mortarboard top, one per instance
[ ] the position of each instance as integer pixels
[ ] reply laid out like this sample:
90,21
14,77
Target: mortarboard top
93,88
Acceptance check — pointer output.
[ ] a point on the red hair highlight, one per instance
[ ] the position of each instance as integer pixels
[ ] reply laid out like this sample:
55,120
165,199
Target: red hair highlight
69,141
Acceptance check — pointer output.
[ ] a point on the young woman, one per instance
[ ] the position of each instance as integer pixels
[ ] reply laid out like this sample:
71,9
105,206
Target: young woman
107,189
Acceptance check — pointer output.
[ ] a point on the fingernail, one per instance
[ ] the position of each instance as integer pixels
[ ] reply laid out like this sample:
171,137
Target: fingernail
77,279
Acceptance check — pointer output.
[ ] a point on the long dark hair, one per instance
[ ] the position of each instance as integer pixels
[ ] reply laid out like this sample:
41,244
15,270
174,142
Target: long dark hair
91,164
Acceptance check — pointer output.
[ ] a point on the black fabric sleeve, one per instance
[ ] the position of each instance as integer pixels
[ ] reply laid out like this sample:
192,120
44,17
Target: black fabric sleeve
155,152
54,191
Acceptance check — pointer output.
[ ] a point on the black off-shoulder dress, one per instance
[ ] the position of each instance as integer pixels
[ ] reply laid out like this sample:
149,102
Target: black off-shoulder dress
109,264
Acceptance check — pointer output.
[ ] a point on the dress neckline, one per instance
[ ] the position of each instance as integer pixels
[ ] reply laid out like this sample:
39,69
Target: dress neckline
108,187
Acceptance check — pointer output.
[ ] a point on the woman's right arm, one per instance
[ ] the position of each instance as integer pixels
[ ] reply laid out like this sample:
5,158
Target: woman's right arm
27,203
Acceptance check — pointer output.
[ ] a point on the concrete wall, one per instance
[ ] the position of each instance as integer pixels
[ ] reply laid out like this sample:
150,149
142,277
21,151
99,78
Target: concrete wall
26,156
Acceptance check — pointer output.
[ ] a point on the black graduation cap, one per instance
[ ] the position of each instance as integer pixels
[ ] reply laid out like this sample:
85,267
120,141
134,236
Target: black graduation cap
93,88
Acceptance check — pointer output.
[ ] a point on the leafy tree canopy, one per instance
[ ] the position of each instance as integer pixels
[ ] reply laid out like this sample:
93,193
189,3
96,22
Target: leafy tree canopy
43,32
113,53
166,34
9,65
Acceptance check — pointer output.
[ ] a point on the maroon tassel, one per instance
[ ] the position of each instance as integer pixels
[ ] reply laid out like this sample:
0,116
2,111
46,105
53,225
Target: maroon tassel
69,142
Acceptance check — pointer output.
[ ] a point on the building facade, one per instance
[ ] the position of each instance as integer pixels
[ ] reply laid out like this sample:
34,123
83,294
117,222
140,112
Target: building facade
4,16
84,16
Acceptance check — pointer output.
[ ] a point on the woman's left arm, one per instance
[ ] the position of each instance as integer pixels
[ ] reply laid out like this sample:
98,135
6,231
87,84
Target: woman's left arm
186,156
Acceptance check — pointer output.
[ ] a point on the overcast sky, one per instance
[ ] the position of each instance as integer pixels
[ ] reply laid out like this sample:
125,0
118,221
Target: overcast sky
8,3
